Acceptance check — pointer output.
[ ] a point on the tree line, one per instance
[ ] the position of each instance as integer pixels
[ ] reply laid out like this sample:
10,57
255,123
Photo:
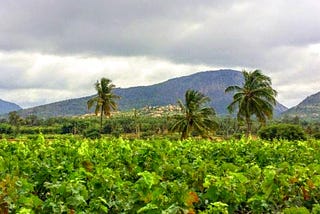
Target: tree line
254,99
251,108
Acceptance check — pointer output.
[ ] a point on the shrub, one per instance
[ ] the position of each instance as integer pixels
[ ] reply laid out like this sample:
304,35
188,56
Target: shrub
316,208
5,129
42,129
296,210
237,136
282,131
317,135
92,133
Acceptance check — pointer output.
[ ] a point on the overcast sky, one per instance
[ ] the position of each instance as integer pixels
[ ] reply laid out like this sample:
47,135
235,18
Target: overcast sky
52,50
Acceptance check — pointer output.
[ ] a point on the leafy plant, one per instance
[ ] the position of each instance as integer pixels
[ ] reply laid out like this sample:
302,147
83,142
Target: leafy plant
92,133
114,175
282,131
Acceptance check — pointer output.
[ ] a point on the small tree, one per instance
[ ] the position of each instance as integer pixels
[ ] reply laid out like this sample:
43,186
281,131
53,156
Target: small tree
15,120
31,120
282,131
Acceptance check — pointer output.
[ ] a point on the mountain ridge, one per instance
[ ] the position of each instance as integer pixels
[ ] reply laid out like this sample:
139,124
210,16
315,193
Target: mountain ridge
308,109
211,83
6,107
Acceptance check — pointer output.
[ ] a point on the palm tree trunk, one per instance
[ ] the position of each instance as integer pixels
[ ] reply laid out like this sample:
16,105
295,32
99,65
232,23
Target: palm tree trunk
183,135
249,123
101,115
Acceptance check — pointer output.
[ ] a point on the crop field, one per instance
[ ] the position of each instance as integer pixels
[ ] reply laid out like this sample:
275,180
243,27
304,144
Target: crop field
112,175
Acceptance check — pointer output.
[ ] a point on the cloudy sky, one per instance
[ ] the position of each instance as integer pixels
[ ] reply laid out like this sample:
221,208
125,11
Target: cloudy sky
52,50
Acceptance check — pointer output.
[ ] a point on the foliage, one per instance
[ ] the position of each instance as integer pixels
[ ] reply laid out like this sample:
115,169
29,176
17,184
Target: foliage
196,116
75,126
14,119
149,124
282,131
92,133
296,210
72,175
5,128
255,98
317,135
32,120
227,126
215,208
40,129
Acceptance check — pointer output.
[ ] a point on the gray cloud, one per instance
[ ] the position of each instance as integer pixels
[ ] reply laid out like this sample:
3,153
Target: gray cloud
38,79
212,32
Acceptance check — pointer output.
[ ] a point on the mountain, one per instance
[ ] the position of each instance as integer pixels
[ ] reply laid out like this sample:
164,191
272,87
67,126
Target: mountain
6,107
308,109
72,107
211,83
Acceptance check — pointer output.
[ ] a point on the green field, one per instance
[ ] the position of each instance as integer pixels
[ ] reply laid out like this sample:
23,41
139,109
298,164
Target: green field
112,175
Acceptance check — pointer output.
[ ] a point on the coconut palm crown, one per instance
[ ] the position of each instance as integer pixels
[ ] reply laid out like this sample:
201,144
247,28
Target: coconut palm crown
105,100
195,115
255,98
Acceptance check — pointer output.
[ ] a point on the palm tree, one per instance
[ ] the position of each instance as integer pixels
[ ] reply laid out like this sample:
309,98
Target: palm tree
105,100
256,97
195,115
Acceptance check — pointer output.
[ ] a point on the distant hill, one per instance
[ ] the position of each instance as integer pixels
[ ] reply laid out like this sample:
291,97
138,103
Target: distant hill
211,83
308,109
6,107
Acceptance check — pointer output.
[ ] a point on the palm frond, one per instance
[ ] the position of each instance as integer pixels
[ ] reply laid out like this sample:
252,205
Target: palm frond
255,97
92,101
195,115
232,88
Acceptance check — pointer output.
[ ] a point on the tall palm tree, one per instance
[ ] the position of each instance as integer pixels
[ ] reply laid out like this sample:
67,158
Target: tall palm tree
195,115
105,100
255,98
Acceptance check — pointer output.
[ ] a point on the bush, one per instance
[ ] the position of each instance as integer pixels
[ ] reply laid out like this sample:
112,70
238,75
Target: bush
237,136
317,135
92,133
296,210
282,131
42,129
5,129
